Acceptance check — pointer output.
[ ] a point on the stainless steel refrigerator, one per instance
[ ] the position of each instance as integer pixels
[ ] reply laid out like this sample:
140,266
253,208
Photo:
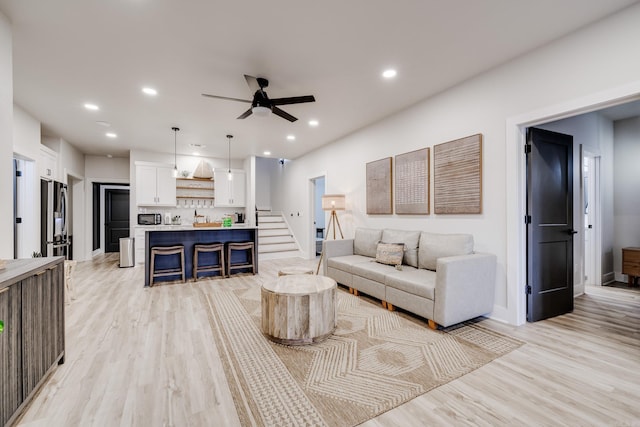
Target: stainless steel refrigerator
53,219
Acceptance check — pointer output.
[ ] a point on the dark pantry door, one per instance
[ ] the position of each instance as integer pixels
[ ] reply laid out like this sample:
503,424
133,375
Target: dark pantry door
116,218
550,228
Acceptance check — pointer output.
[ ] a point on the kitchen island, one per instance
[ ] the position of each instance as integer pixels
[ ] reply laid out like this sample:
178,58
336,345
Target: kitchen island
189,236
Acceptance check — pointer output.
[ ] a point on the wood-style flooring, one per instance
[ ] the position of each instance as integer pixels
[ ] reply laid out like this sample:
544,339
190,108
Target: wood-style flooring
140,356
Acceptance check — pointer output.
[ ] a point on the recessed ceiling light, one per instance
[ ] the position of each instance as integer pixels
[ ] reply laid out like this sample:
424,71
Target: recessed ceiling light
197,146
149,91
111,135
313,123
103,123
267,153
291,137
92,107
110,156
389,74
195,153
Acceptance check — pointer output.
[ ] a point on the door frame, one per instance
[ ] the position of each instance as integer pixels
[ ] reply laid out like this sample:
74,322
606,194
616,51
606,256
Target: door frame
596,241
102,206
515,189
104,190
311,191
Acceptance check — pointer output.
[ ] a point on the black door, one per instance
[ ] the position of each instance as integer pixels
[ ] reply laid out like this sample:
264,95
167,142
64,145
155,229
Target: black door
550,224
116,215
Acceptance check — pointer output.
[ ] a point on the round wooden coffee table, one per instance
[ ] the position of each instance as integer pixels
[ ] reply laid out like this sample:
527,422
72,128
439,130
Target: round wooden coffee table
299,309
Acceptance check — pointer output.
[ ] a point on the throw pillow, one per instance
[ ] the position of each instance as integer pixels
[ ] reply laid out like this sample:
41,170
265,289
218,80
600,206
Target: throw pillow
409,239
390,253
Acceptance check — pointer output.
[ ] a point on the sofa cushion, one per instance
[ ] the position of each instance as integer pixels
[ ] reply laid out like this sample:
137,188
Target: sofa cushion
345,263
410,240
366,241
434,246
390,253
372,270
415,281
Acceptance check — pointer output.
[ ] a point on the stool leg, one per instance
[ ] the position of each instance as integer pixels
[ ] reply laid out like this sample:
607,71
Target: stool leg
183,267
253,259
195,265
153,259
222,261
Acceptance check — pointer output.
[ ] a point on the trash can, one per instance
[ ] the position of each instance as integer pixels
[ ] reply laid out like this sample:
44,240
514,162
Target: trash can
127,252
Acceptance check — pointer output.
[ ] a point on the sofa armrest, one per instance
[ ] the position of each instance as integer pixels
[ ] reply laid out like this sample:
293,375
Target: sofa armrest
333,248
465,287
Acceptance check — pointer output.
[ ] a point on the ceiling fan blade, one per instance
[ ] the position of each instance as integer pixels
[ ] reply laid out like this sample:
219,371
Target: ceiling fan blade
283,114
226,97
245,114
293,100
253,83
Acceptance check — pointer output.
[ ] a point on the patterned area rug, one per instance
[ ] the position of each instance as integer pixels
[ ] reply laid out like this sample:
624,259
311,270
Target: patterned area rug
375,361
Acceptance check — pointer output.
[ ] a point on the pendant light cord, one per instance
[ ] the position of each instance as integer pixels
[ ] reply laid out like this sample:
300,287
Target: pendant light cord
175,147
229,157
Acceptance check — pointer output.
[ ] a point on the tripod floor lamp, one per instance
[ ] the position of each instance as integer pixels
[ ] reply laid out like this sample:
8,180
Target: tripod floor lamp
333,203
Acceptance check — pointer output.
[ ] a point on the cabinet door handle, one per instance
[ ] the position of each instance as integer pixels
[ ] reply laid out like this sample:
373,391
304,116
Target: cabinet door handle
3,290
40,273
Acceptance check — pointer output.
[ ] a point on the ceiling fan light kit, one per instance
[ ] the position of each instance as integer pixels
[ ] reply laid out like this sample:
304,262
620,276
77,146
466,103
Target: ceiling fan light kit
261,104
261,111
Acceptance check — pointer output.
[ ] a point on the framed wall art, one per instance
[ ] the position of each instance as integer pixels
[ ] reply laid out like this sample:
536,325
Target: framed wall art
379,193
412,183
457,180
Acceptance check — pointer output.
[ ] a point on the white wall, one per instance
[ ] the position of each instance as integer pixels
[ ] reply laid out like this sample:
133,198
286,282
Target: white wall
576,66
104,169
264,166
26,146
626,198
6,137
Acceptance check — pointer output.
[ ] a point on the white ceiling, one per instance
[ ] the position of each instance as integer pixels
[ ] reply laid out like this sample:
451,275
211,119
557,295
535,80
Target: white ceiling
69,52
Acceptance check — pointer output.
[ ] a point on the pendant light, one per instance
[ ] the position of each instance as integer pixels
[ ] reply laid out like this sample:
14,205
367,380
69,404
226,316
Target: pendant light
175,149
229,174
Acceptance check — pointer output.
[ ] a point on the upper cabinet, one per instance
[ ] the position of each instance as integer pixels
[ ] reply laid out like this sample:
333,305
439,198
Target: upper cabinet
229,192
48,164
155,185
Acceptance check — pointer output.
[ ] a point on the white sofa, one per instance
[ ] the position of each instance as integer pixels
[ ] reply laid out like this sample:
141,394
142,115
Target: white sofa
440,279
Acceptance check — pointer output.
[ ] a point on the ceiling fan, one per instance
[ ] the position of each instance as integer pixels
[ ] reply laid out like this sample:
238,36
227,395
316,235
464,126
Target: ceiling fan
261,105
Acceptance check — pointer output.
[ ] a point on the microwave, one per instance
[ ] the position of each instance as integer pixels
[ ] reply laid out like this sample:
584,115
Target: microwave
149,219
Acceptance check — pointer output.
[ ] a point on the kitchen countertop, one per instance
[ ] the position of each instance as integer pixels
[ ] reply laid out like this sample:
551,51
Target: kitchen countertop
167,227
18,269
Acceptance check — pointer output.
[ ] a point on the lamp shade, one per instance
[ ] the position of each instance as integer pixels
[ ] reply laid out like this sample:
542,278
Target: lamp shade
333,202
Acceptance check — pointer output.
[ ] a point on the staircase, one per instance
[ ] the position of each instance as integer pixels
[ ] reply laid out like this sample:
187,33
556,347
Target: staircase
275,239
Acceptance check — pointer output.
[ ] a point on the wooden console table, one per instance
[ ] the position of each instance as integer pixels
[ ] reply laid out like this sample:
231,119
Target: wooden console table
631,264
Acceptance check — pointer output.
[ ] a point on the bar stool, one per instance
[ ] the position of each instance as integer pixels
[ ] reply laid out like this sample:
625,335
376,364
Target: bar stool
164,251
208,248
241,246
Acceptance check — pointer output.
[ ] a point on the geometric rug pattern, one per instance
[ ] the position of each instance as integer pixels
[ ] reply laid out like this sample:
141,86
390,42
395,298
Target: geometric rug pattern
375,361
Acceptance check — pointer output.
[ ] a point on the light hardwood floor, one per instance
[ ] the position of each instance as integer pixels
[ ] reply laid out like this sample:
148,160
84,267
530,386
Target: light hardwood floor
146,357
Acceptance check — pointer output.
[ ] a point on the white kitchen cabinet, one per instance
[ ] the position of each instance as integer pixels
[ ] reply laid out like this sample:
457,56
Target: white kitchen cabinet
229,193
155,185
139,236
48,164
